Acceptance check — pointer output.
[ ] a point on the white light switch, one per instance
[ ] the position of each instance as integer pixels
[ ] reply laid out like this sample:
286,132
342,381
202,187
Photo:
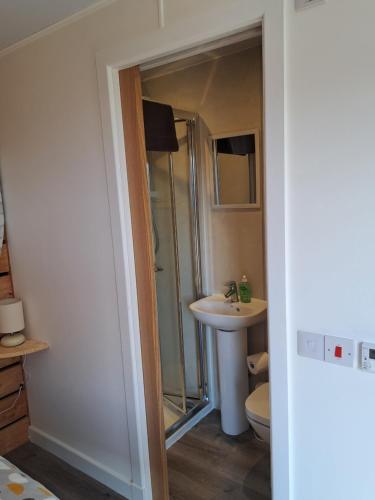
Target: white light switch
301,4
310,345
339,351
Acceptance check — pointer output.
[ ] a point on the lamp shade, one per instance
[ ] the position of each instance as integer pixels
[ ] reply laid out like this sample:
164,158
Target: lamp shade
11,316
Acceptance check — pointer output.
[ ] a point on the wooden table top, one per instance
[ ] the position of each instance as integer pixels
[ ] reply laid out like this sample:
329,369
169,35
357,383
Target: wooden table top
28,347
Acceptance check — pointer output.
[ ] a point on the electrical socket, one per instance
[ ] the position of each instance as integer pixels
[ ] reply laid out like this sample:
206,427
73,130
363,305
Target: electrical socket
345,354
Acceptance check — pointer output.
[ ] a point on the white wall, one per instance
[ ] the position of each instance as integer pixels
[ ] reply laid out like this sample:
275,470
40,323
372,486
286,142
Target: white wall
55,191
331,240
58,222
55,197
53,174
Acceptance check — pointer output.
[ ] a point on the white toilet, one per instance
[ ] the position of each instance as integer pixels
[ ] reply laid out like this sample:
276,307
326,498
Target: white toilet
258,411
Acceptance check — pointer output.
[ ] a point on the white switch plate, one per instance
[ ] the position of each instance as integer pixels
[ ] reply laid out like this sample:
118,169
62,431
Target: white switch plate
310,345
302,4
367,357
347,350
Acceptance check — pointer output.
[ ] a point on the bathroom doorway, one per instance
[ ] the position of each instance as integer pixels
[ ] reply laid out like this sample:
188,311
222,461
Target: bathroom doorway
201,126
222,88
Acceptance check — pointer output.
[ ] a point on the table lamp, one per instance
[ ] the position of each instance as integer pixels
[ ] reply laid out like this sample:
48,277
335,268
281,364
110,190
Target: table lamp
11,322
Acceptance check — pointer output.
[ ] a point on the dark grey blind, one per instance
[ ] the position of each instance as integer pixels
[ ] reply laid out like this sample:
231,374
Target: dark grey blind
160,130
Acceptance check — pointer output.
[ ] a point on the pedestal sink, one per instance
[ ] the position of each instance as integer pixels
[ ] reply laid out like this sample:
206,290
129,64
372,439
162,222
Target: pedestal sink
230,319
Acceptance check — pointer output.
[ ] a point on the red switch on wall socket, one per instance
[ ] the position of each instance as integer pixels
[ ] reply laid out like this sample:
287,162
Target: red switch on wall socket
338,351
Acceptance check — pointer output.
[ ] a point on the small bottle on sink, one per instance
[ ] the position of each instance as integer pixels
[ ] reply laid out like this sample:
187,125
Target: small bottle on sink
244,290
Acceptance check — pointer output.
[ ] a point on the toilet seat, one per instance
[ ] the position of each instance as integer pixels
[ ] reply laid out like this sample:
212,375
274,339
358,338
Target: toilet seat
258,406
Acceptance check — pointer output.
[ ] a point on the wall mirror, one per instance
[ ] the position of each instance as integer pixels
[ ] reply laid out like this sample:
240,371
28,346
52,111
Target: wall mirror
236,170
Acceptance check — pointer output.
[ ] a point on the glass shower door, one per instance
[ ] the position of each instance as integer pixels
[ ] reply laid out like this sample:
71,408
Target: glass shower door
162,193
174,205
185,199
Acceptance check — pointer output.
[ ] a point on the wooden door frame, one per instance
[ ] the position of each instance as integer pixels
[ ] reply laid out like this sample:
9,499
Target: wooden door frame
151,46
140,211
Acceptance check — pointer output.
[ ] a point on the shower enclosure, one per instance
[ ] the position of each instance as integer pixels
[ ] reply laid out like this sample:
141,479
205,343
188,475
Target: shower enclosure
174,205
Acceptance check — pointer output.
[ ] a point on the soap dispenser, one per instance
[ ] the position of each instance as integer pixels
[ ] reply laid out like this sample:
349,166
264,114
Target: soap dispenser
245,290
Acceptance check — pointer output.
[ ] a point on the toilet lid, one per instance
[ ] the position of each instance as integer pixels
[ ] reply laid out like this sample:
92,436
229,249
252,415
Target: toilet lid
258,406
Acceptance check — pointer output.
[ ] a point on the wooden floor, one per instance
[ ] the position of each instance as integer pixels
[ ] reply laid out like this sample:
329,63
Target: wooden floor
63,480
207,464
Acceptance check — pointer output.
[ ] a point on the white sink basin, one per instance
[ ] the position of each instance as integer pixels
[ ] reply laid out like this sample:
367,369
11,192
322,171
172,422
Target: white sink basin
229,316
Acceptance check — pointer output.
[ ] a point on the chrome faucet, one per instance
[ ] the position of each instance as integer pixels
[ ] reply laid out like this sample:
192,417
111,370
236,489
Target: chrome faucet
232,294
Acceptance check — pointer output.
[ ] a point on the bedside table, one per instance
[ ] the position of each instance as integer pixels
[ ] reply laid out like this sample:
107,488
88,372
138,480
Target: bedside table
14,414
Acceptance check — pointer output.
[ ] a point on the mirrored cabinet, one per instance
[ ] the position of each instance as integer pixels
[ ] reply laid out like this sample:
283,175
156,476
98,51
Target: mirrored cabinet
236,170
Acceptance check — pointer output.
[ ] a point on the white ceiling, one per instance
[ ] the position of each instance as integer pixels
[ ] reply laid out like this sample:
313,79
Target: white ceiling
22,18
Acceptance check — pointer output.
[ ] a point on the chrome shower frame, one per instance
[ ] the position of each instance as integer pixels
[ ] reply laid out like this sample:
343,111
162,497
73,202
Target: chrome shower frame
191,405
191,125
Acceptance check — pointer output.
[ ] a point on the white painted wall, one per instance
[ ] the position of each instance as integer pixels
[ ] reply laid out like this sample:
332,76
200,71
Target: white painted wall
331,241
53,174
56,202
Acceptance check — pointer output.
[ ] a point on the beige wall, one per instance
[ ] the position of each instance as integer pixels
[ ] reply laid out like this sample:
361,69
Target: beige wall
227,95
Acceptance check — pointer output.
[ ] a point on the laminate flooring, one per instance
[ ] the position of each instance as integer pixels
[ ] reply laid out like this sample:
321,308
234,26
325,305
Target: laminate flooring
63,480
206,464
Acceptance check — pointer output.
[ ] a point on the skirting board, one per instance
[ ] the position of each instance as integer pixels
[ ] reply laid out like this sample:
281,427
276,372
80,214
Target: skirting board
87,465
189,425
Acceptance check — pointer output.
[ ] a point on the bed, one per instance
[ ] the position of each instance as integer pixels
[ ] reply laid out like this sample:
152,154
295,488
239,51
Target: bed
14,484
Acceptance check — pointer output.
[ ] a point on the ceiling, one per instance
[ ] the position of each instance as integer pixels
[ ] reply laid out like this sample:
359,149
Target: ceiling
22,18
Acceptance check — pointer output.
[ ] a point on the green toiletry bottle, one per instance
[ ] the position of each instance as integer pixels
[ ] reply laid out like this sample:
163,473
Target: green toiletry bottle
245,290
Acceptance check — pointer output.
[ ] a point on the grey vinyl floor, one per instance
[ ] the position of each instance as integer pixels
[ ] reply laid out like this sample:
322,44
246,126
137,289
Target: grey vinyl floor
207,464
